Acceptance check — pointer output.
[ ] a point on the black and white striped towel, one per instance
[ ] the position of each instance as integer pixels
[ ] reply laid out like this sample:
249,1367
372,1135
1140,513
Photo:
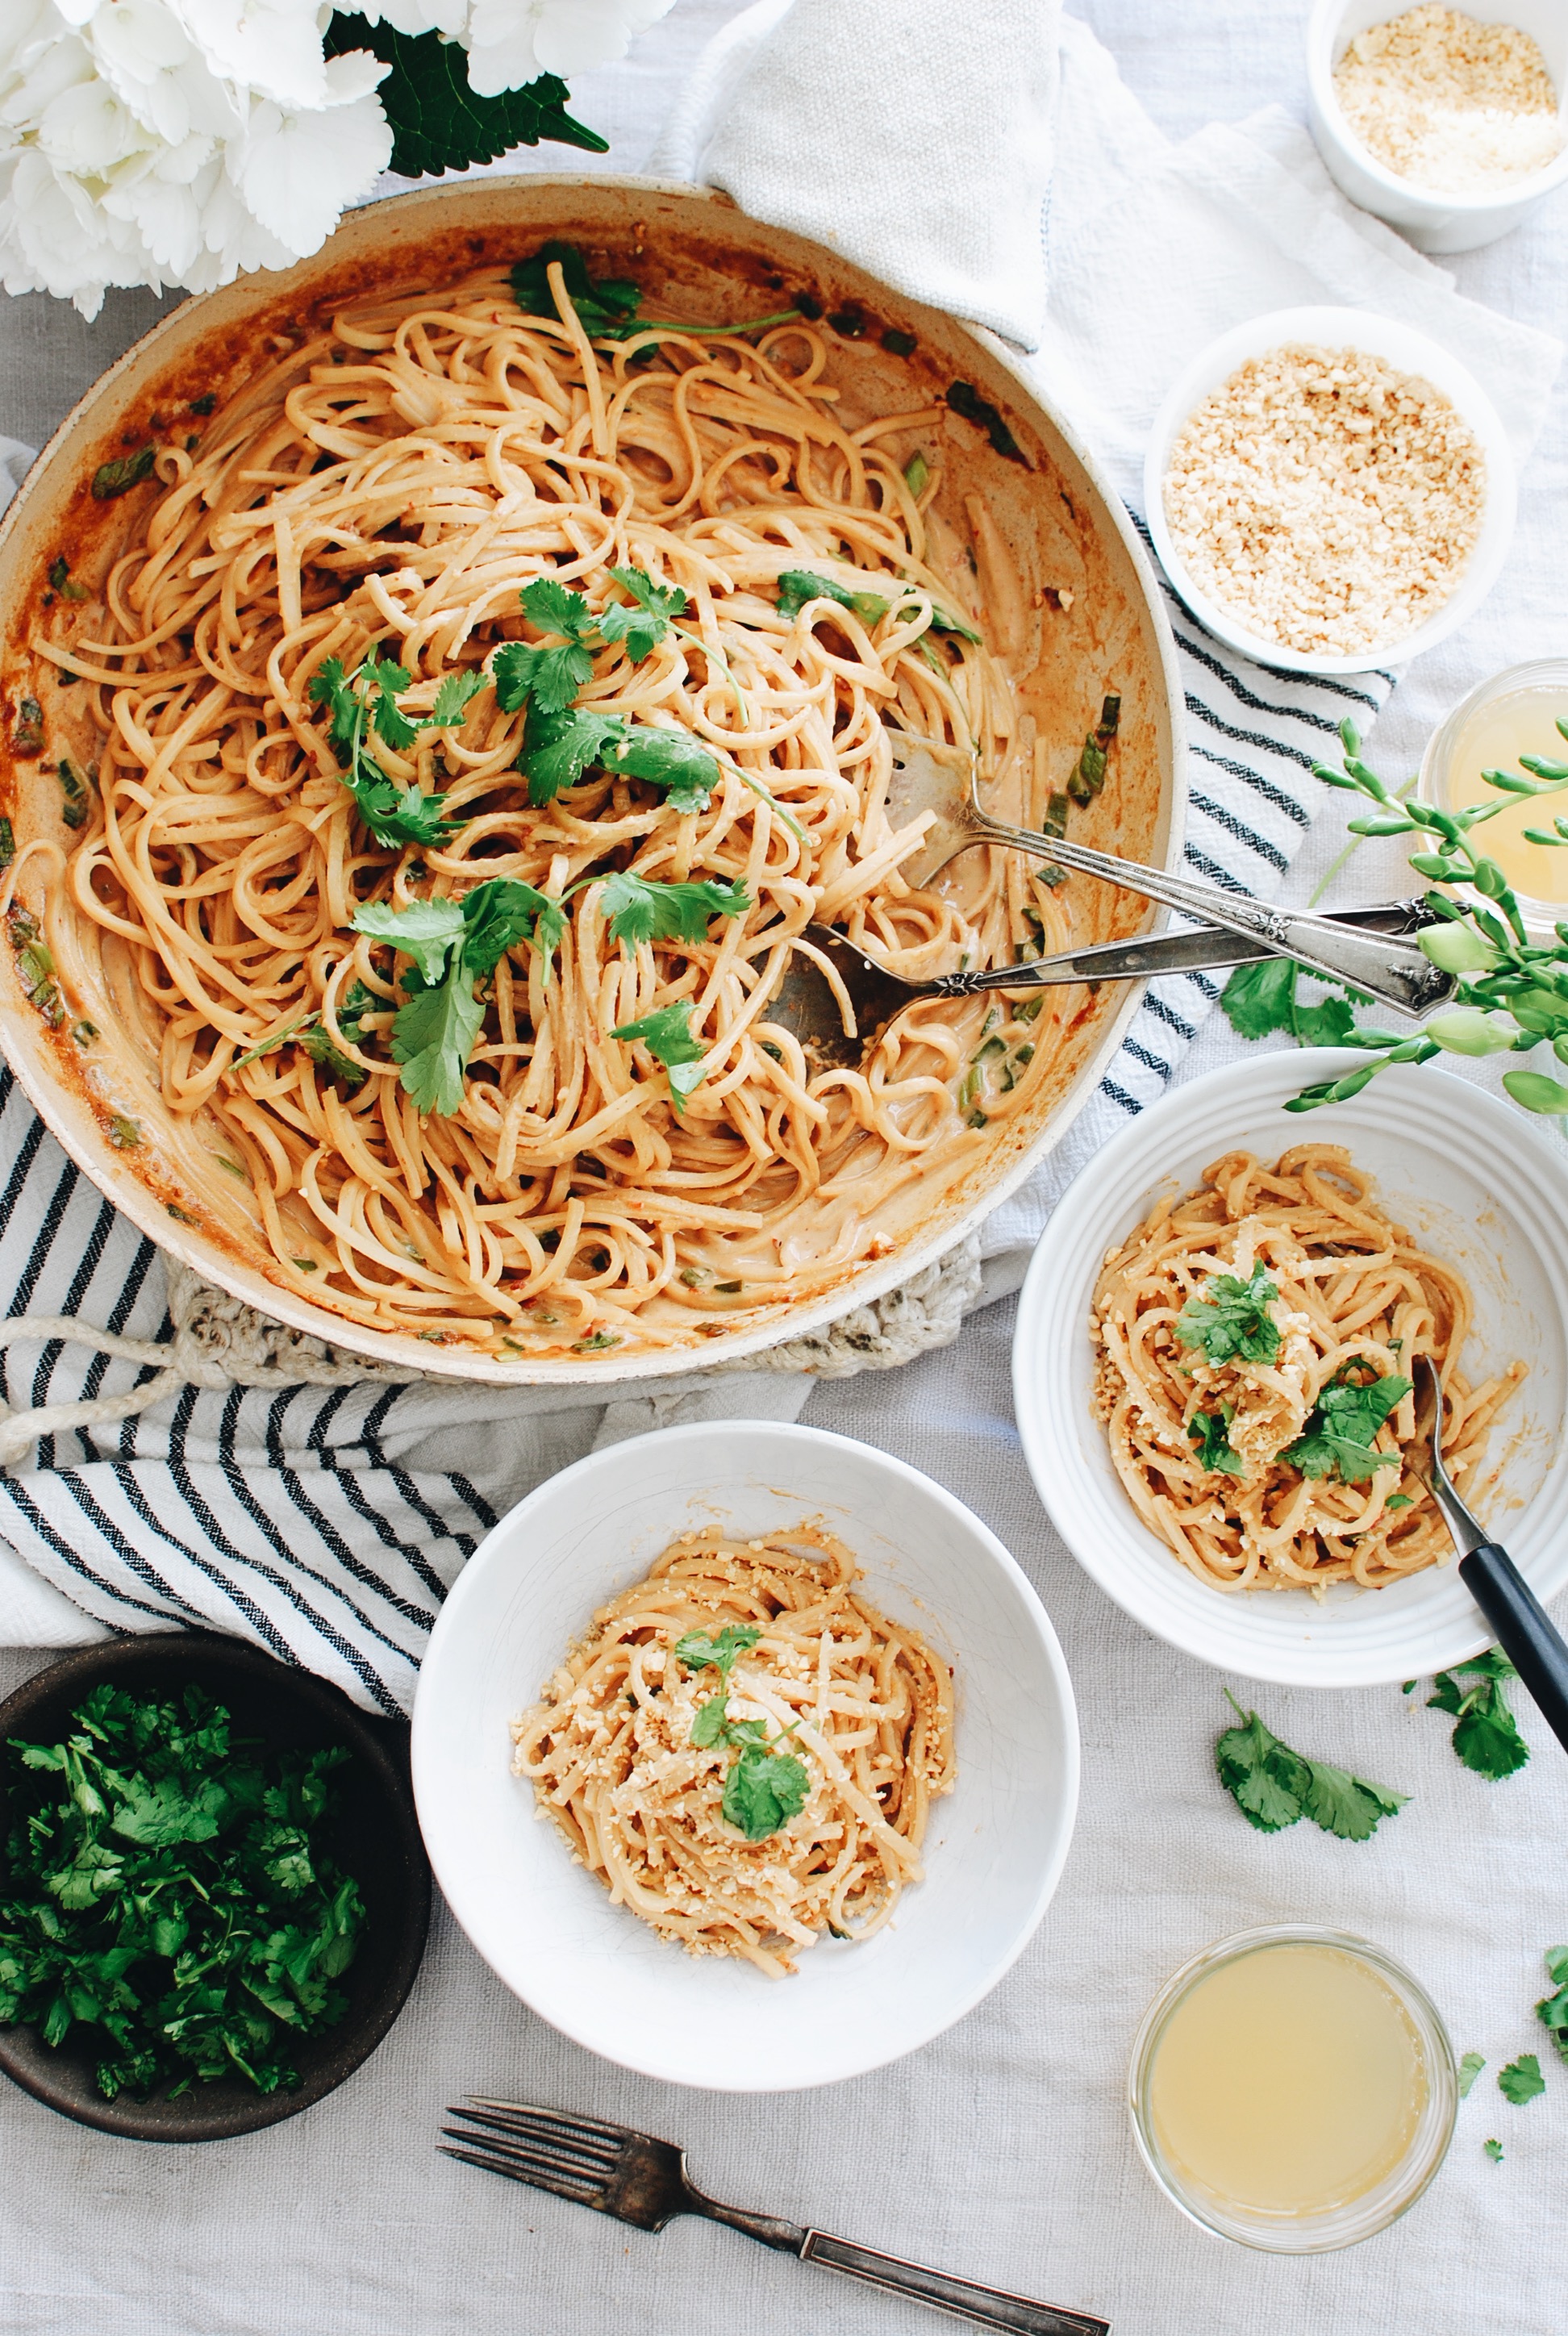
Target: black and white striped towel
326,1523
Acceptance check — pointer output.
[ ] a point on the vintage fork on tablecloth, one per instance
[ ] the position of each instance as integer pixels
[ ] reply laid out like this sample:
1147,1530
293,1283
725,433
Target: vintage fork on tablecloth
643,2181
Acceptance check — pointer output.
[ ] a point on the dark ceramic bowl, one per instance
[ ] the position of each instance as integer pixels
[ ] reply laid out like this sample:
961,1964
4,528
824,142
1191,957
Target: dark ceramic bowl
374,1837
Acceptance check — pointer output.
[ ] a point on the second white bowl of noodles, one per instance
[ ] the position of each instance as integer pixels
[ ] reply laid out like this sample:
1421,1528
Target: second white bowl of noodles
1478,1184
994,1847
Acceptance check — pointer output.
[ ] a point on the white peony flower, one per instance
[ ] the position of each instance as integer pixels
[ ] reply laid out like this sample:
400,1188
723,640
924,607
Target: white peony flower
187,142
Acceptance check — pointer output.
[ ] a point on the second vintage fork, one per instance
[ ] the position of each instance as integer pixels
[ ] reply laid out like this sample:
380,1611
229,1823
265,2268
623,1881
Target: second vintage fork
643,2181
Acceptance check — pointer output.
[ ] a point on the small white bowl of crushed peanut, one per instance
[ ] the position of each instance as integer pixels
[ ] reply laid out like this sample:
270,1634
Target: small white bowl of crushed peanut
1450,124
1328,490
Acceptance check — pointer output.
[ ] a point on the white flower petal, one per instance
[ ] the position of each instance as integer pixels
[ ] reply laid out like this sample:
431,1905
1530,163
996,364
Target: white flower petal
298,172
87,130
352,76
270,47
417,16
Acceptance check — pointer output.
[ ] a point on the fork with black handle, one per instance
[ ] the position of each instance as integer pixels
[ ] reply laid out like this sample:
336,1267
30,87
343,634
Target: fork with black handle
643,2181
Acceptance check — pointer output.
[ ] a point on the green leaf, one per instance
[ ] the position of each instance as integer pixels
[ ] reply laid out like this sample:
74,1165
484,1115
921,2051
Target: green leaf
502,913
763,1791
708,1727
426,931
1537,1092
643,627
125,472
433,1037
1347,1805
550,679
797,585
1274,1786
671,759
1338,1437
1485,1734
329,687
1494,2150
557,608
386,680
1267,1780
698,1652
438,122
1258,999
667,1035
559,747
638,908
397,815
1521,2080
606,310
1470,2067
452,699
1231,1319
1210,1431
316,1043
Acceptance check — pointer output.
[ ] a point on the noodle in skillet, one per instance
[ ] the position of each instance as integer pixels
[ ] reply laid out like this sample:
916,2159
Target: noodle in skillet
1257,1467
821,1679
386,491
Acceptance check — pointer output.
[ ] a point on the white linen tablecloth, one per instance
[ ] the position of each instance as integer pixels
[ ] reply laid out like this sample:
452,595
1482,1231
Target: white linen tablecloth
1001,2151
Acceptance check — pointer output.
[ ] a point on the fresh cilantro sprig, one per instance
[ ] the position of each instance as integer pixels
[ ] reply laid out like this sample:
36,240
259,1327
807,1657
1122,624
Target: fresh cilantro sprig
667,1035
1485,1733
1521,2080
1470,2067
367,701
1337,1440
638,908
1511,994
607,308
558,749
454,945
765,1786
1231,1321
1264,996
170,1889
1552,2010
1274,1788
1210,1431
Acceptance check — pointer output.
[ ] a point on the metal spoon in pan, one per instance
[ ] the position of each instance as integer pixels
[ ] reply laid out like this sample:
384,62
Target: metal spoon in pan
939,781
1524,1629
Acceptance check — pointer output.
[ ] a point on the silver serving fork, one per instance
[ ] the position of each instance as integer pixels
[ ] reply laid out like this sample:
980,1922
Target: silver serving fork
643,2181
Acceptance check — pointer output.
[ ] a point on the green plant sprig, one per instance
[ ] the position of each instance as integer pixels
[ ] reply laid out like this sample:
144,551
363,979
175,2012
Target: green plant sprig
1511,993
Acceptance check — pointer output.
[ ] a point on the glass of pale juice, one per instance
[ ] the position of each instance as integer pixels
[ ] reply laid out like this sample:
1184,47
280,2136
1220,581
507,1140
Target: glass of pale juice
1516,713
1293,2089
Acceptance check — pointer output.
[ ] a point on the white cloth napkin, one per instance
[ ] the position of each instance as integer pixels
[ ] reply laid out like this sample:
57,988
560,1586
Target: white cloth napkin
325,1526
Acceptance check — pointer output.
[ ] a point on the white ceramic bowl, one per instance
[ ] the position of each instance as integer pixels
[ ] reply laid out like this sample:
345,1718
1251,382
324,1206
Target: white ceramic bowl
995,1846
1433,221
1476,1181
1402,346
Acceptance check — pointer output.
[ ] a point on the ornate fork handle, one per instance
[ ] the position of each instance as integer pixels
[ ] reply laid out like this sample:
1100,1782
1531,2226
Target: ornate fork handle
964,2299
1393,971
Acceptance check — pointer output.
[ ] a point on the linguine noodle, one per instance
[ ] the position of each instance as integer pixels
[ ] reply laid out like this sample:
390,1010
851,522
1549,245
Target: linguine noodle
385,491
1356,1301
862,1703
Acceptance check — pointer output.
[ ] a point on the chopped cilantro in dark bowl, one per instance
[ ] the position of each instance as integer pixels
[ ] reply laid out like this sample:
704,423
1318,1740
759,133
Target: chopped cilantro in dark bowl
352,1874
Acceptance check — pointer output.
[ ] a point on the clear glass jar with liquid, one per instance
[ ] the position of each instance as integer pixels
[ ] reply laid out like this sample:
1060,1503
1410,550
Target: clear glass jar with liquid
1516,713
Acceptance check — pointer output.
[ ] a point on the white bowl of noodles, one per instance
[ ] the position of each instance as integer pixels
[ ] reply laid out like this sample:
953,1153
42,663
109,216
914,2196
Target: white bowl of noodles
365,461
1480,1188
993,1847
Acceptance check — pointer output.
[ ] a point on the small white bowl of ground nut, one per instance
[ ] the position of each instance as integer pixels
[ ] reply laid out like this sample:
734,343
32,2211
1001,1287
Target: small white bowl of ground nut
1328,490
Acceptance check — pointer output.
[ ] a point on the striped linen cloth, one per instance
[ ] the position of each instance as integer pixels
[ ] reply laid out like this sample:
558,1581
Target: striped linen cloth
325,1524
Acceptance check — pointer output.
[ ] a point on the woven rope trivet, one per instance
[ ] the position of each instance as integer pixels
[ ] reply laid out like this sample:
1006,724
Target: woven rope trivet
218,1341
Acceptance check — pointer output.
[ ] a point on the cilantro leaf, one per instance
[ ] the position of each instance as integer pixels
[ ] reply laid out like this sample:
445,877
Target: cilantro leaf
394,815
557,748
1521,2080
606,310
1470,2067
1267,1780
643,627
708,1727
1263,997
1210,1431
386,680
698,1652
358,1001
671,759
667,1035
1232,1320
639,909
557,608
1494,2150
1485,1734
499,914
762,1791
433,1037
1274,1786
1552,2010
550,678
438,121
796,586
320,1050
426,931
329,687
1338,1436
